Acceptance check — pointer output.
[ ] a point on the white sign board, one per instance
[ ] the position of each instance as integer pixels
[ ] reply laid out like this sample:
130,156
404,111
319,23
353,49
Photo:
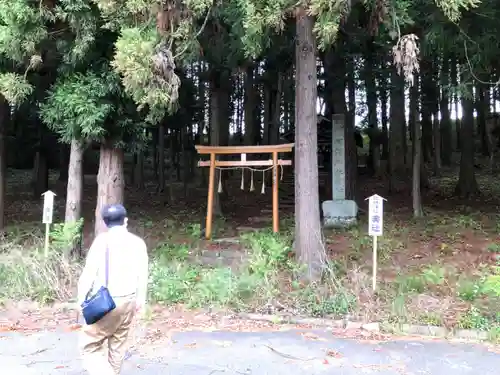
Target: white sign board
338,158
375,215
48,207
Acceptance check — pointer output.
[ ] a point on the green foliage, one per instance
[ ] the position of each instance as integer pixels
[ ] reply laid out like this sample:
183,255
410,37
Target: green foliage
79,105
15,88
147,50
469,290
268,251
166,252
31,275
21,29
492,286
494,248
82,21
474,319
135,50
336,305
172,281
434,275
453,8
258,18
328,15
64,235
486,286
410,284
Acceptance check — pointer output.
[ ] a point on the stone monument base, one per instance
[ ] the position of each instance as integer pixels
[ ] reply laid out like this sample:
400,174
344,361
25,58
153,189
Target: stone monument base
339,213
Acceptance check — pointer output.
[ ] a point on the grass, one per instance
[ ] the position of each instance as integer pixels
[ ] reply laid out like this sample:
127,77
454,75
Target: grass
26,274
443,270
264,280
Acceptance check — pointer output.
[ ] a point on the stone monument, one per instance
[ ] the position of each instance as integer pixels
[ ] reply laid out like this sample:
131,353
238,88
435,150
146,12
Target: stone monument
338,212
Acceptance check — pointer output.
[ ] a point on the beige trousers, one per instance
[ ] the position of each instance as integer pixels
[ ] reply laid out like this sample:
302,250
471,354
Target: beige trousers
104,344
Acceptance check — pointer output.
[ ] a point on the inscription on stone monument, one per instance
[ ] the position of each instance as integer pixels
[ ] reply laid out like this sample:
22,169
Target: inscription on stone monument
339,212
338,159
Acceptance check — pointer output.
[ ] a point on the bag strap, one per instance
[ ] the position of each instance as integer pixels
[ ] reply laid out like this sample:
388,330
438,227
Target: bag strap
106,267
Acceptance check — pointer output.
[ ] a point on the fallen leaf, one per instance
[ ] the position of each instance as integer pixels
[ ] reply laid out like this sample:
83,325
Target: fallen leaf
192,345
74,327
333,353
60,367
325,362
224,344
311,336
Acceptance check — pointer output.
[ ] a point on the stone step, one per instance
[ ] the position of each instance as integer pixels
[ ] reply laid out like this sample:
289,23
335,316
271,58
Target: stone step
260,219
245,228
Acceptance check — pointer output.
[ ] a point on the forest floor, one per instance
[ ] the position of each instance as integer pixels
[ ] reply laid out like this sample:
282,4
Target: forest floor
442,270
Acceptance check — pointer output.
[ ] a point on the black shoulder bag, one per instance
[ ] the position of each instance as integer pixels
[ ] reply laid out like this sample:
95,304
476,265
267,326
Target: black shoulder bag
95,307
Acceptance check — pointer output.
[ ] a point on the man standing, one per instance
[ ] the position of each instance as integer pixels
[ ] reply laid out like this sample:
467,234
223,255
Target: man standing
104,343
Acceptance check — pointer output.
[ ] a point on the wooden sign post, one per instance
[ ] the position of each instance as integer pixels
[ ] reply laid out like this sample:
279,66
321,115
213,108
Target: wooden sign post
48,213
375,228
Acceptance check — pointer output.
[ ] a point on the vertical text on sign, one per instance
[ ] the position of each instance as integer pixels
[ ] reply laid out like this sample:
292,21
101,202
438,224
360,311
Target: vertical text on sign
338,158
375,215
48,207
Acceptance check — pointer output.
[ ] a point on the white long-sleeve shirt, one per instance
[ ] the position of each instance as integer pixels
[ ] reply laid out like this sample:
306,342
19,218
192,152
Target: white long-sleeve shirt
127,267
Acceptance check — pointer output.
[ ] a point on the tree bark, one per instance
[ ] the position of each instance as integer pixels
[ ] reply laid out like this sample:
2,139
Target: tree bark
446,134
436,124
219,125
417,168
337,68
4,120
383,109
467,184
64,153
413,115
427,97
41,172
436,140
482,110
74,190
110,182
396,131
266,102
351,94
413,119
276,96
75,183
161,157
454,83
371,101
249,105
308,238
139,170
154,136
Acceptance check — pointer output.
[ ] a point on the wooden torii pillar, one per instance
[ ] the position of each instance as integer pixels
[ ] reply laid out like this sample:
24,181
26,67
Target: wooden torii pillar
213,151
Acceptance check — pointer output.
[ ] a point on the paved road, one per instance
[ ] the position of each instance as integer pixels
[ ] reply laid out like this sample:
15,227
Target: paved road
259,353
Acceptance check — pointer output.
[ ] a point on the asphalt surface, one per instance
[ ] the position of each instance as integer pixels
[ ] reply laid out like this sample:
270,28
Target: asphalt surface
259,353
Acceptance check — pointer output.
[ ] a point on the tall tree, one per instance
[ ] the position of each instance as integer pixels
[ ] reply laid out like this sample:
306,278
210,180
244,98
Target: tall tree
308,238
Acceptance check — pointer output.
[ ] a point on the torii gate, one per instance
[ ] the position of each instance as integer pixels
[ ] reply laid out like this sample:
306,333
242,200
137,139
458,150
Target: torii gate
213,151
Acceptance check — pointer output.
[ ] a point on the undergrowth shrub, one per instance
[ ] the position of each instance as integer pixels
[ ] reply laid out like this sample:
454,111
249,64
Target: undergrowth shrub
25,273
35,277
173,281
265,278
